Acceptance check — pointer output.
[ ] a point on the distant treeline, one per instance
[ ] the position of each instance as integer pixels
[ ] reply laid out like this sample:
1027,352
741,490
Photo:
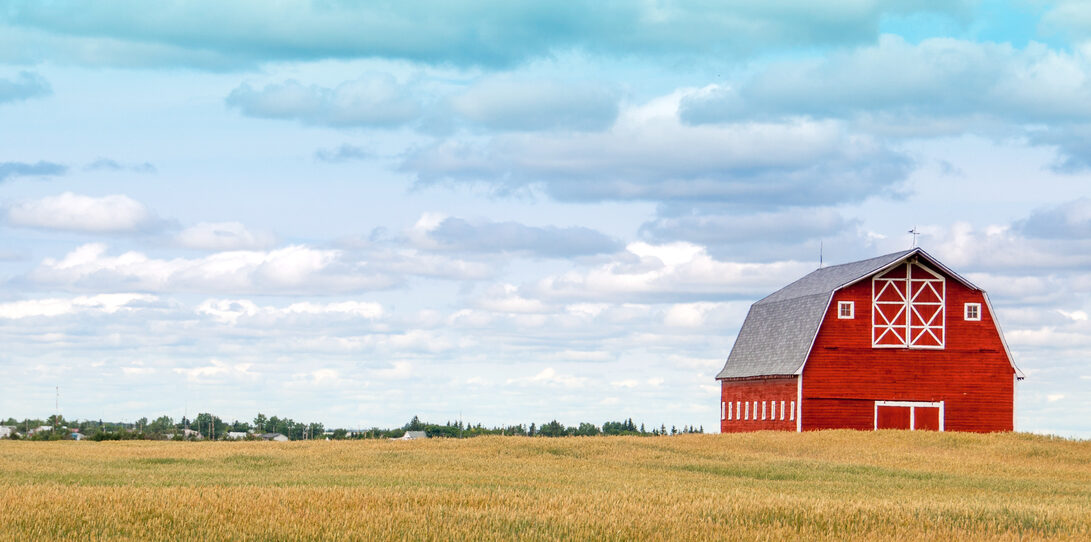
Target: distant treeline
209,426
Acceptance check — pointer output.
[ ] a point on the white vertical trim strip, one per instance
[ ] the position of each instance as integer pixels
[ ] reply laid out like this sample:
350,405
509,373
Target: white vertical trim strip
798,404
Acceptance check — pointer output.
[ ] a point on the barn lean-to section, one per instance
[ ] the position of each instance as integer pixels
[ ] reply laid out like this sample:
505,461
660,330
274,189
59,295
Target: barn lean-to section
898,341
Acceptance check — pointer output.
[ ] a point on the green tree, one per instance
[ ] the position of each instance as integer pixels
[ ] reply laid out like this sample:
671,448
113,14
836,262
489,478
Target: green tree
259,422
552,429
587,430
161,425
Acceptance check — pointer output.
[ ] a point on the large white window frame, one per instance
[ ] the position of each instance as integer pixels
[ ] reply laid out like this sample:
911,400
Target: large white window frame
908,309
913,406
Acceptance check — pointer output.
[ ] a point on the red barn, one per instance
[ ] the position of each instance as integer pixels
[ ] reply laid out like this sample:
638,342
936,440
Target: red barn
899,342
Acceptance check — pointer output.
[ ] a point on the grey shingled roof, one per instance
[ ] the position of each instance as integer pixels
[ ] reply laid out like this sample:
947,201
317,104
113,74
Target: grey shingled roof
778,331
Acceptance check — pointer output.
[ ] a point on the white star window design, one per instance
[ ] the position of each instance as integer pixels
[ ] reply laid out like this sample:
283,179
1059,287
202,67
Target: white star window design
908,308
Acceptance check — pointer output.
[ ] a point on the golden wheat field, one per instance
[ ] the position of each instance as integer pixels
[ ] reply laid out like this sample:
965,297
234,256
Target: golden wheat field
836,485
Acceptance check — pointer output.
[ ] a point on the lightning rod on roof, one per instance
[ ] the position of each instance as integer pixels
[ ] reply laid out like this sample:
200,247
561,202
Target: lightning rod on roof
915,233
820,254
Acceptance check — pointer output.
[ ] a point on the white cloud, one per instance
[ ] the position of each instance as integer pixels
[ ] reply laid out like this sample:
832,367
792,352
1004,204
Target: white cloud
106,303
549,376
74,212
671,270
691,315
505,103
1054,397
218,371
223,236
292,269
1077,316
372,100
505,298
398,370
895,80
229,311
649,155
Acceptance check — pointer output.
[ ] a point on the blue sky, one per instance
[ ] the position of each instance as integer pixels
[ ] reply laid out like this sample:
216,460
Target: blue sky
514,212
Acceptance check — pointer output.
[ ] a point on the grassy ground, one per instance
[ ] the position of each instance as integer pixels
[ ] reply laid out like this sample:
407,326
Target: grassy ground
833,485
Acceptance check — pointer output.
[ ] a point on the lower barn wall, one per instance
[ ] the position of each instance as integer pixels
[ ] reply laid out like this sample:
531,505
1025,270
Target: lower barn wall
769,392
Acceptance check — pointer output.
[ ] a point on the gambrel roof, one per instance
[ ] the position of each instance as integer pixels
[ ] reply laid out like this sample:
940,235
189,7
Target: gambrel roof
778,332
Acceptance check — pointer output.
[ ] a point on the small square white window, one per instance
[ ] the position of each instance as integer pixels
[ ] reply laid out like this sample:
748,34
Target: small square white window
973,311
845,310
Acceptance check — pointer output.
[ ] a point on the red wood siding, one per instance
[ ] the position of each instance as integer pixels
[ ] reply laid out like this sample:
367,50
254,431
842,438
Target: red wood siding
762,391
844,375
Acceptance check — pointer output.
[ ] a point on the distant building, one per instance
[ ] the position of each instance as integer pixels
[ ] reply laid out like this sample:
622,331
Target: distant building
412,435
277,437
6,431
236,435
192,433
39,429
895,342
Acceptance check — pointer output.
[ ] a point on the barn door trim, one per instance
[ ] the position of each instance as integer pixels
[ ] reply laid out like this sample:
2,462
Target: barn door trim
913,405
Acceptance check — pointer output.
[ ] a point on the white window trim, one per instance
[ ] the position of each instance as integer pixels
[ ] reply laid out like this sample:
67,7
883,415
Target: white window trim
729,411
913,405
723,410
851,313
792,413
763,410
966,312
903,318
782,411
772,410
738,411
747,411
